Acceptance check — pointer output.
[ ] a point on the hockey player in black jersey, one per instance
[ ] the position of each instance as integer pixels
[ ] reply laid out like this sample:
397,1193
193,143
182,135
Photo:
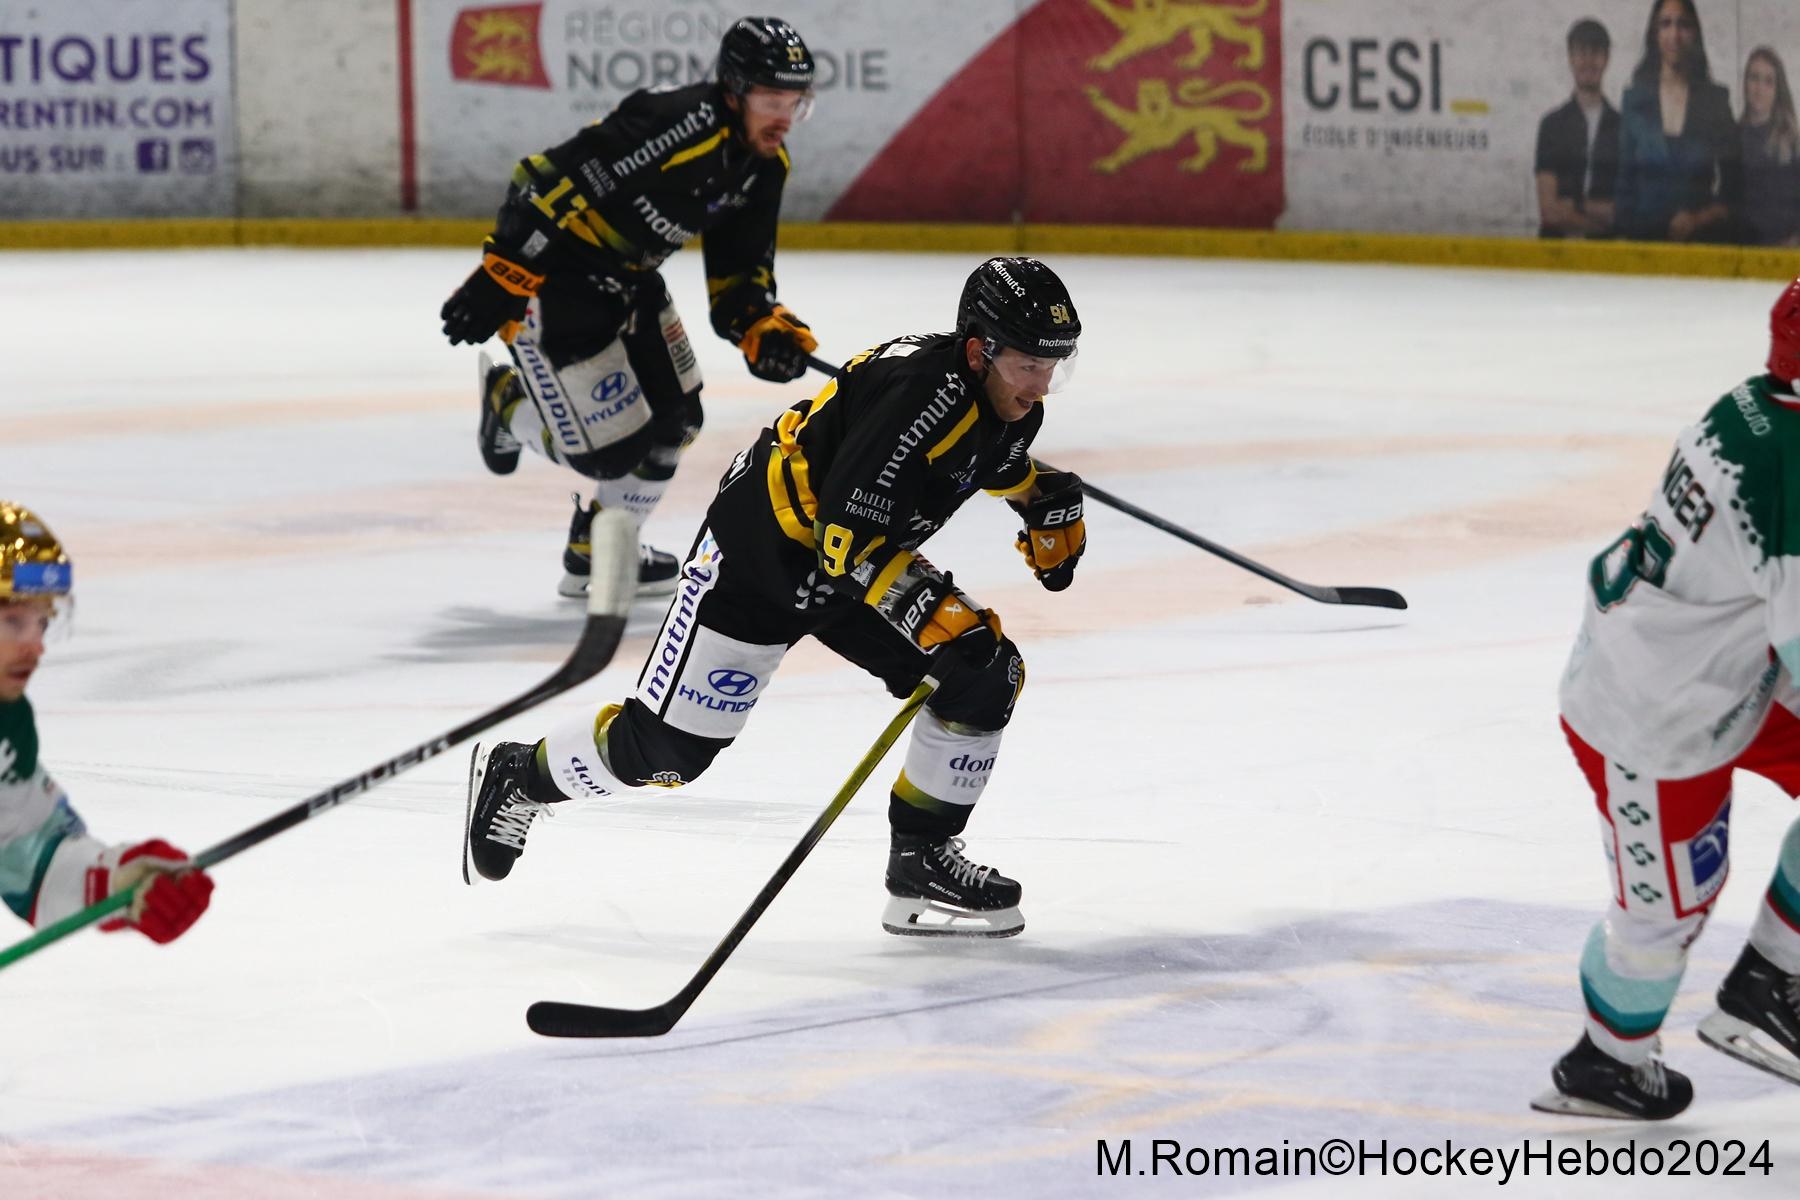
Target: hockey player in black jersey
816,530
602,377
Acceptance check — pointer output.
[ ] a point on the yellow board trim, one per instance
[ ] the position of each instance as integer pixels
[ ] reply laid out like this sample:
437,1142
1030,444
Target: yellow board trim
963,426
693,152
889,574
1534,254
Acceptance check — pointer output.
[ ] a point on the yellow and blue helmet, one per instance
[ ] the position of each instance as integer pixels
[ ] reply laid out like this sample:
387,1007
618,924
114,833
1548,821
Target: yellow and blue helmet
32,561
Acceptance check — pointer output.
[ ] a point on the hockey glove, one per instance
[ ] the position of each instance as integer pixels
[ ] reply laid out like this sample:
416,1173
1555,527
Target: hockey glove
1054,535
931,611
168,906
491,300
776,346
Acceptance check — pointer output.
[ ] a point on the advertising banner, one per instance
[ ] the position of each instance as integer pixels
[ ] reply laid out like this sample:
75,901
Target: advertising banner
111,109
499,81
1543,116
1116,111
1153,112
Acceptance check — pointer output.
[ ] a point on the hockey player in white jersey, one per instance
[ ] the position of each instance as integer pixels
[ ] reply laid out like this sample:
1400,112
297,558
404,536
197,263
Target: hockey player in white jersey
50,867
1685,670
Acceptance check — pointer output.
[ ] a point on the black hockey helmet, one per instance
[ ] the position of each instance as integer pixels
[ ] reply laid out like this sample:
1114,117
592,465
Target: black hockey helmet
1019,302
764,52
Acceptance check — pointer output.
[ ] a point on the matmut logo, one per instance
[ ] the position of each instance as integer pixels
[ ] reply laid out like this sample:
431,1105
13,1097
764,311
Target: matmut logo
498,45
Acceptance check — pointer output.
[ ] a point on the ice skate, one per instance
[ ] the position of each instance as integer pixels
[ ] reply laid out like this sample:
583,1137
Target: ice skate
1758,1017
499,390
933,891
1592,1083
499,812
657,570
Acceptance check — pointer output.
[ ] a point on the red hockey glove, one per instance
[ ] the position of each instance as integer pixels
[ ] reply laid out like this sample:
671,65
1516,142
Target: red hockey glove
491,300
776,346
161,911
1054,535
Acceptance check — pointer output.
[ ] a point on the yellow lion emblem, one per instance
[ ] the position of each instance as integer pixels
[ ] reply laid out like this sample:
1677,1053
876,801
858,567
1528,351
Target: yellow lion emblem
1159,122
1148,24
500,46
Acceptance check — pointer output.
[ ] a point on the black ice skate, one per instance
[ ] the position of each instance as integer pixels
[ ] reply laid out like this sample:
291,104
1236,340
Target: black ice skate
1592,1083
1758,1018
935,892
657,571
499,813
499,389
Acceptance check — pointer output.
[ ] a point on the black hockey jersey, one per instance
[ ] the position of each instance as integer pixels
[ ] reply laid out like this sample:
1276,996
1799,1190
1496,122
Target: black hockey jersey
629,190
881,458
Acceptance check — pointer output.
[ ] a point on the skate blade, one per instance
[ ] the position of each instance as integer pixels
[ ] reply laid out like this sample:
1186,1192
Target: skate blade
575,587
1563,1105
478,759
925,918
1748,1044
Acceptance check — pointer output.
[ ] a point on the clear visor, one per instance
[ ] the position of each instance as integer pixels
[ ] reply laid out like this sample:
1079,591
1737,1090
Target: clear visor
776,103
1031,373
37,619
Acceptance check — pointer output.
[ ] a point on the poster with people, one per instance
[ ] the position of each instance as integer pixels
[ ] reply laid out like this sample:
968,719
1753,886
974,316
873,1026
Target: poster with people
1654,120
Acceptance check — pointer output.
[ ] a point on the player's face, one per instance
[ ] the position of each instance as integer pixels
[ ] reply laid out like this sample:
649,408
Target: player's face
1759,92
23,624
1588,65
769,113
1675,32
1015,381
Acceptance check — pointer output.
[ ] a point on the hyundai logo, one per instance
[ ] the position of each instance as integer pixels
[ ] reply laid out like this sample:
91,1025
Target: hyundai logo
732,683
609,387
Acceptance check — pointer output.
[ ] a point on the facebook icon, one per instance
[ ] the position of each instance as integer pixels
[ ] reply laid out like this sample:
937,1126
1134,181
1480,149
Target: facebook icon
153,155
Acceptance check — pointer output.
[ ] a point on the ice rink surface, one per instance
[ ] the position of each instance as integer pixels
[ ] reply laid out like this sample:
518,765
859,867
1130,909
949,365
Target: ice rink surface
1292,872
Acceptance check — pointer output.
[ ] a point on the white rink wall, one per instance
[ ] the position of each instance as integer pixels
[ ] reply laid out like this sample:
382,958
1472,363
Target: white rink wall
318,108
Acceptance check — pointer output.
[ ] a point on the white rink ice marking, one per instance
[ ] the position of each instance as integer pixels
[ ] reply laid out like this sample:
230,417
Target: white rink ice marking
1427,1019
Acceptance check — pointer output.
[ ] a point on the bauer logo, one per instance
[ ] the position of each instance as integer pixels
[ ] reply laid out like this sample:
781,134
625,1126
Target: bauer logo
498,45
1700,863
732,683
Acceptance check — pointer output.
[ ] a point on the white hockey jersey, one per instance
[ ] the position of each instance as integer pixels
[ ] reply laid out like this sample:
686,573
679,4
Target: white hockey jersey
1692,623
45,850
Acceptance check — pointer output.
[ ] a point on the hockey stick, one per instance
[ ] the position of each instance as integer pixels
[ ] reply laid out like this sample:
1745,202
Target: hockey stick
609,600
553,1018
1374,597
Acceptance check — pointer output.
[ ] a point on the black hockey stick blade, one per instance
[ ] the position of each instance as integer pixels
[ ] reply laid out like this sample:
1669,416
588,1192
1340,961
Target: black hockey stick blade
553,1018
609,600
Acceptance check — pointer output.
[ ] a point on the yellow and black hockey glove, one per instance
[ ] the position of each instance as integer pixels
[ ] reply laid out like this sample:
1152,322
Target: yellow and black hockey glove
1054,535
776,345
491,300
